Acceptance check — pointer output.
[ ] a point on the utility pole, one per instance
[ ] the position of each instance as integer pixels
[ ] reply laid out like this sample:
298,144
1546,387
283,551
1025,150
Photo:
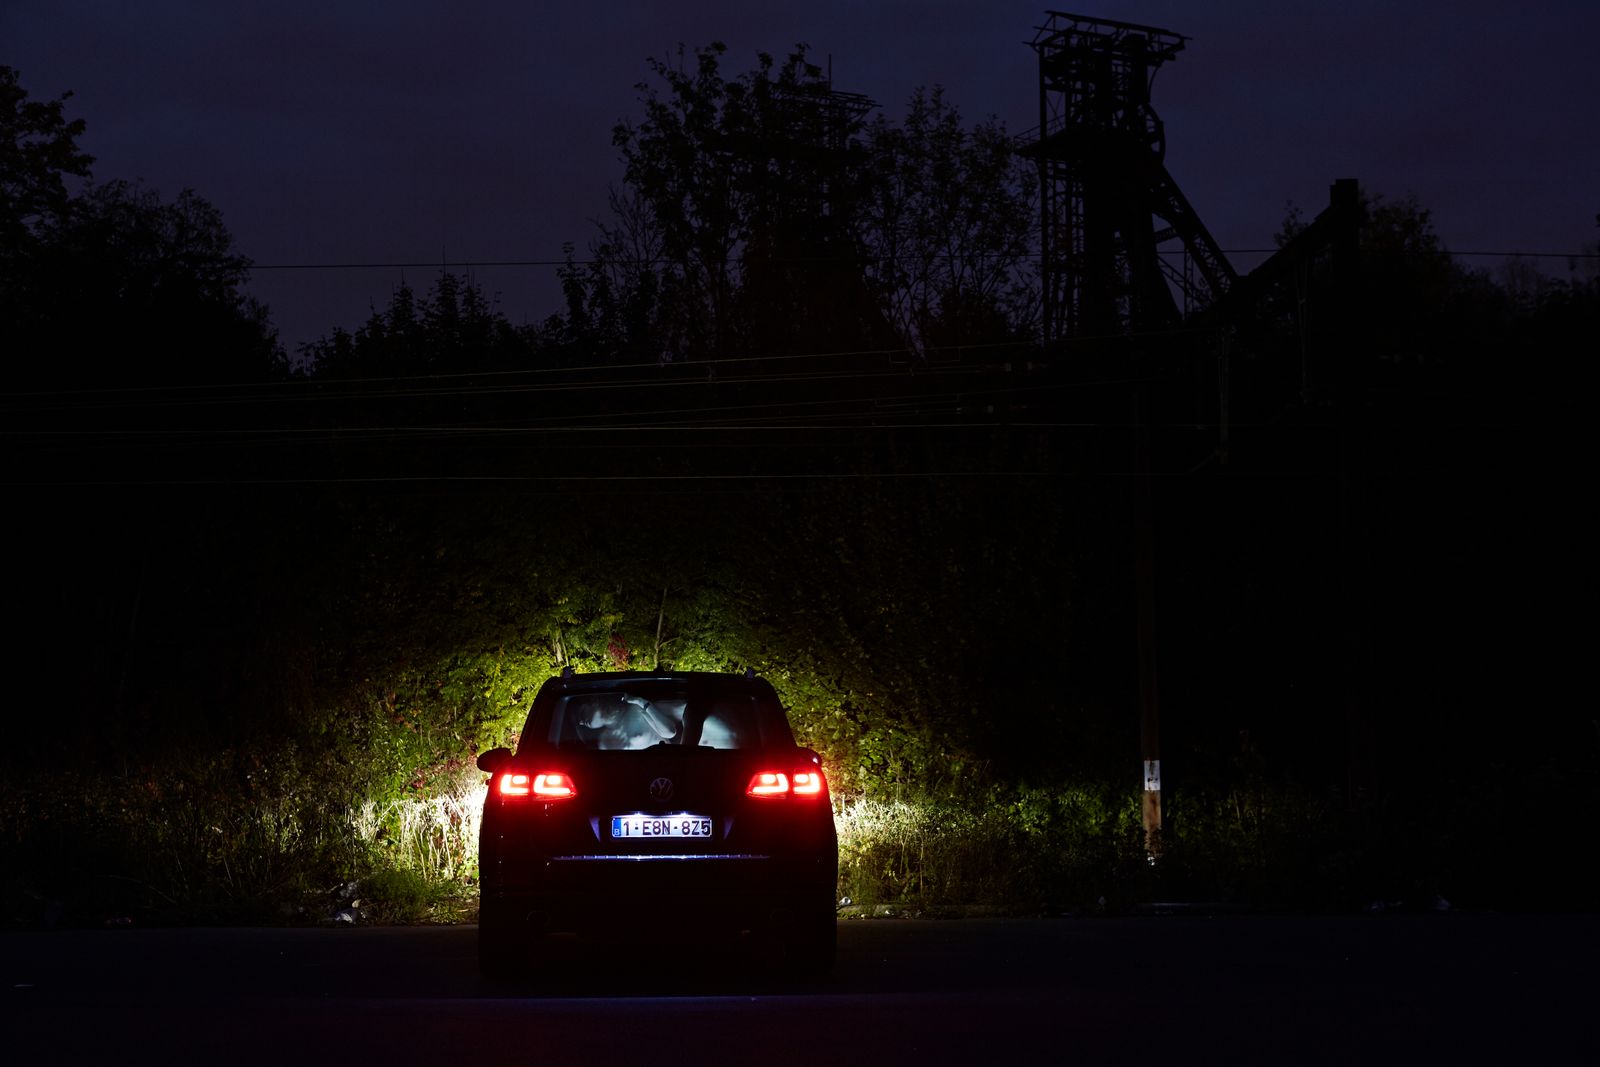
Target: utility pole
1144,566
1109,212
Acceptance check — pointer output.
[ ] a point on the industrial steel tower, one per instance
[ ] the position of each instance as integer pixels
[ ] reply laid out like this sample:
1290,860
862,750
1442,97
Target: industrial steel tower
1109,211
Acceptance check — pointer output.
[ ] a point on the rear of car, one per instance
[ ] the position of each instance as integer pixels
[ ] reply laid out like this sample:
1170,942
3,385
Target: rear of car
667,808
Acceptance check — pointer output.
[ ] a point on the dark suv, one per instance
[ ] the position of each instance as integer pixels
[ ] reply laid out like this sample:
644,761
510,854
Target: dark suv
655,807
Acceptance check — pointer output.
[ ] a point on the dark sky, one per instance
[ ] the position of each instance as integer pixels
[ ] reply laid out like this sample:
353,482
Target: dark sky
409,131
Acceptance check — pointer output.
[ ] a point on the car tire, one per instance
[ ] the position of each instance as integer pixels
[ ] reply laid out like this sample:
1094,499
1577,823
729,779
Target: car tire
813,946
498,954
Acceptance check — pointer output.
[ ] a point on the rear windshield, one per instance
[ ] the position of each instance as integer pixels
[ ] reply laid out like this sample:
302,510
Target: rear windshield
649,714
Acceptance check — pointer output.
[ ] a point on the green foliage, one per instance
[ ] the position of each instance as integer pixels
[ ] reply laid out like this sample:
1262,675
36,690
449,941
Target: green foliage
1069,848
246,780
406,895
216,836
425,847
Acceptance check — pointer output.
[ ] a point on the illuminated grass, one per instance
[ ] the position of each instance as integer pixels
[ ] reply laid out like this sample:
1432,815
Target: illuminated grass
1020,850
434,836
235,836
923,854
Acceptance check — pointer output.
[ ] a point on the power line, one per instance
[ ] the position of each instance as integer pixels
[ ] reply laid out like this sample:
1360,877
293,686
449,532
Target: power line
606,479
859,259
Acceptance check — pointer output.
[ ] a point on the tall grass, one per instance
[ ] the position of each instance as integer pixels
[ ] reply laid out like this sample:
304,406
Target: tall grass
229,836
1020,851
432,835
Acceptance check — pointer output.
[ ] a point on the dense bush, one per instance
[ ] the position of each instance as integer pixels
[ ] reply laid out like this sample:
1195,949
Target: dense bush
314,749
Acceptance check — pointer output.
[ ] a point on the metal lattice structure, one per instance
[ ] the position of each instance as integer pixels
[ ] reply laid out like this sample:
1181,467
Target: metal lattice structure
1120,244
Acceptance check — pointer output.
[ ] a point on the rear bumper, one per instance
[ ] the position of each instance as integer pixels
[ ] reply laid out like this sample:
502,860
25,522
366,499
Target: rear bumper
661,897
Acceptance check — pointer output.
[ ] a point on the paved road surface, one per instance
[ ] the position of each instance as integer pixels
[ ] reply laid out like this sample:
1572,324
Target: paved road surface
1412,989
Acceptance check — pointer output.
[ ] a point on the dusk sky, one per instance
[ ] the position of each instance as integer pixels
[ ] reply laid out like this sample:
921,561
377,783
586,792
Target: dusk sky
410,131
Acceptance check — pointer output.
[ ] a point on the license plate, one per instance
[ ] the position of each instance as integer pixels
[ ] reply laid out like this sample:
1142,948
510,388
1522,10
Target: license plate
680,825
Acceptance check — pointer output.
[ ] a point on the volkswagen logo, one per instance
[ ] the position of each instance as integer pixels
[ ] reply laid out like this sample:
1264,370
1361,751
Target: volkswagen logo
661,789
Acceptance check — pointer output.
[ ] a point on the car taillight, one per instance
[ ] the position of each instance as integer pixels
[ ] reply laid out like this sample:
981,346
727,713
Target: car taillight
768,784
548,786
554,787
771,785
808,783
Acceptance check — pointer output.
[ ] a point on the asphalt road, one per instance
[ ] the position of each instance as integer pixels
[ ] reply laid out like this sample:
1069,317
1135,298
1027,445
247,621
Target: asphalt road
1416,989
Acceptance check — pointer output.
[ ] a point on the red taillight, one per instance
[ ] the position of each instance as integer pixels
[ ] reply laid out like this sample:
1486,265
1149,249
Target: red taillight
770,785
808,783
548,786
554,787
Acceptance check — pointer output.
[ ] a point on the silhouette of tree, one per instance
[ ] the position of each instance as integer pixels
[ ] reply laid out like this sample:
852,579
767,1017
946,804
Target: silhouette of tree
1421,304
949,223
126,289
1417,303
38,151
752,185
681,162
763,214
453,329
613,301
112,286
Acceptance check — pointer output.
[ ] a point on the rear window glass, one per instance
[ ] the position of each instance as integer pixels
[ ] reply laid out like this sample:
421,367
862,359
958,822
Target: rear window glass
631,718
